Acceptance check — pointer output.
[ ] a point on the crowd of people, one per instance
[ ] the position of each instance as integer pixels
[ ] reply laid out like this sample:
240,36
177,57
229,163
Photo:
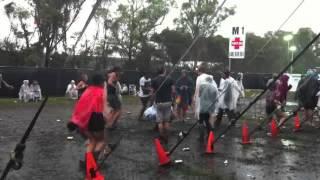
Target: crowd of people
99,107
30,92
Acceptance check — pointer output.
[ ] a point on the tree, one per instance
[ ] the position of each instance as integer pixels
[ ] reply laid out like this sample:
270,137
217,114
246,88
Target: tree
174,43
18,17
52,18
201,18
135,23
309,59
104,44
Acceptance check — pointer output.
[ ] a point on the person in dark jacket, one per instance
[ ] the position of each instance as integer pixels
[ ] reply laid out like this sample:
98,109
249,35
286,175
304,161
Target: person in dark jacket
306,94
184,90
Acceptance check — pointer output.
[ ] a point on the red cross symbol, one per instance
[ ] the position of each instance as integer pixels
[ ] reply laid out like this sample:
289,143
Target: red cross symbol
237,43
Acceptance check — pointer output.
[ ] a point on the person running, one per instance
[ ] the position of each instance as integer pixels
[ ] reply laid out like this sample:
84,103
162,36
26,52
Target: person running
162,89
88,119
270,105
114,98
306,94
227,98
82,85
183,100
279,98
144,92
3,82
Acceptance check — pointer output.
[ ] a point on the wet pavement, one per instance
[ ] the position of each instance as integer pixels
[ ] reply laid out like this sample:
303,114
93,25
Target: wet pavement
50,155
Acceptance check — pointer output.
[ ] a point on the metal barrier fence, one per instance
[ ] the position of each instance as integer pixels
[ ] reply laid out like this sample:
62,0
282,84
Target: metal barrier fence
54,81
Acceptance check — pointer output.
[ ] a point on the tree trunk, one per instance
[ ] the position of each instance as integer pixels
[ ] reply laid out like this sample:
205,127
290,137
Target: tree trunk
47,57
25,33
130,51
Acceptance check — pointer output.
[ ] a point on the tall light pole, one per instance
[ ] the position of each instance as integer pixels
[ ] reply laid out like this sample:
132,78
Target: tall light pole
288,38
292,49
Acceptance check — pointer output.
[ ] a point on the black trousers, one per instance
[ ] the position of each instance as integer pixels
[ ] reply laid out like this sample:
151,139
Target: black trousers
204,120
231,115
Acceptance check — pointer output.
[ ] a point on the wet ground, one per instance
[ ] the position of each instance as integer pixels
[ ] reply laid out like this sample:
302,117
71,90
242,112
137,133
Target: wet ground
50,156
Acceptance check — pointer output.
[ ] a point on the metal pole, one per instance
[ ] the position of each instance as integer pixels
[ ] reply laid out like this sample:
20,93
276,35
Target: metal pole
21,146
230,64
289,51
291,68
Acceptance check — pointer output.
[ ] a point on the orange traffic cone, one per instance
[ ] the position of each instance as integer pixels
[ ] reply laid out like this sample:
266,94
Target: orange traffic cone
91,171
274,128
297,123
210,147
162,154
245,133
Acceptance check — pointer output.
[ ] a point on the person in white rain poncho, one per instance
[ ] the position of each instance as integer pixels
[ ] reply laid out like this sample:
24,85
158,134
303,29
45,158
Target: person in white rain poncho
72,91
36,91
208,94
240,93
202,76
228,97
25,93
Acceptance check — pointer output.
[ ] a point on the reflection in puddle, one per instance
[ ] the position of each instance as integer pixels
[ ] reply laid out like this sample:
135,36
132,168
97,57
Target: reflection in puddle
288,144
291,104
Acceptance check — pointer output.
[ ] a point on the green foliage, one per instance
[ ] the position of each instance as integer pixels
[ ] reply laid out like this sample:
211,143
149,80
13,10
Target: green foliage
135,22
52,19
202,17
174,43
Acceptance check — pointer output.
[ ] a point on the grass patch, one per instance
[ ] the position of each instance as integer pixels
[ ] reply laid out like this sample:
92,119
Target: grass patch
14,102
252,92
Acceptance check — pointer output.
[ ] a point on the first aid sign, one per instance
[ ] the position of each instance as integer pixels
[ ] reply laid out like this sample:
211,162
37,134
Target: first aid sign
237,43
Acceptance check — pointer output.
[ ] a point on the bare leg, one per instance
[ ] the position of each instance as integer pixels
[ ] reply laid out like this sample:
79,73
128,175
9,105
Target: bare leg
161,128
308,115
282,118
116,117
179,113
100,144
166,130
92,144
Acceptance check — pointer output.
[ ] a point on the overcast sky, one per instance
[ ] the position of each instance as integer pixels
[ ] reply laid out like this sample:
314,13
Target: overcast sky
258,16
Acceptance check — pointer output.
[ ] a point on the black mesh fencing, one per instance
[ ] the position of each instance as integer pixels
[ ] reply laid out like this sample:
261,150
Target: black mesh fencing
54,81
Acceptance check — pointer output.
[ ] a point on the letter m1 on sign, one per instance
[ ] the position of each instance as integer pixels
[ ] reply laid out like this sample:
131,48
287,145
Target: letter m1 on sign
237,43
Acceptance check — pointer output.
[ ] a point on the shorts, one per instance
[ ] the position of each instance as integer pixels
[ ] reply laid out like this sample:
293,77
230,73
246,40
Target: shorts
163,112
144,100
270,108
114,102
96,122
204,118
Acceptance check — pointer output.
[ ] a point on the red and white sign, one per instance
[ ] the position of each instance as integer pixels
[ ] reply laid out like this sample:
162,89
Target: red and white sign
237,43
